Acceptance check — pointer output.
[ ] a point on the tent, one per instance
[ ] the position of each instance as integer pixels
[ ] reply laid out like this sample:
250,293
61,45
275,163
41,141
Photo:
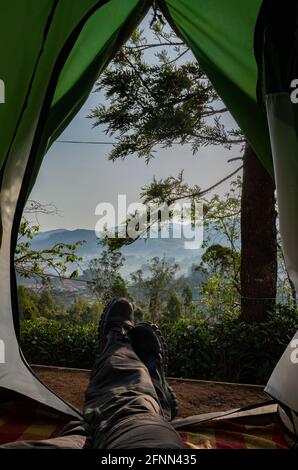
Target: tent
51,52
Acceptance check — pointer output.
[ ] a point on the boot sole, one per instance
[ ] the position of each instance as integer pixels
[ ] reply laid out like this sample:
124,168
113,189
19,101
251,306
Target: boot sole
165,355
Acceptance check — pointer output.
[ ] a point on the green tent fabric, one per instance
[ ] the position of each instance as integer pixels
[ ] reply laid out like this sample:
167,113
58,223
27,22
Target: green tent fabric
37,40
55,63
51,53
61,58
221,36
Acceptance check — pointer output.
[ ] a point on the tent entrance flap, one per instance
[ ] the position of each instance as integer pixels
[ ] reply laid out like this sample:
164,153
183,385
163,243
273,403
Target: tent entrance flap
282,119
57,30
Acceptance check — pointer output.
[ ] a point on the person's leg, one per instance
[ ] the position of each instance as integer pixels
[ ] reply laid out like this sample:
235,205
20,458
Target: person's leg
123,410
122,407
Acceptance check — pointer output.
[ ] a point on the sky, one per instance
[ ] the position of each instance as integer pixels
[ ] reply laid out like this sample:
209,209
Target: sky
77,177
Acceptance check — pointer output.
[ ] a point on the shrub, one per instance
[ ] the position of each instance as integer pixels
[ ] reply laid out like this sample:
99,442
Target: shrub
50,343
228,350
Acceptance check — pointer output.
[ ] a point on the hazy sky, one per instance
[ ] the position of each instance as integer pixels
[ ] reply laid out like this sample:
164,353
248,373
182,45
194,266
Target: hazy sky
77,177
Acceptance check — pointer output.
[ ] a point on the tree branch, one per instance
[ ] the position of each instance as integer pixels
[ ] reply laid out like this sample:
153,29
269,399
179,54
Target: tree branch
148,46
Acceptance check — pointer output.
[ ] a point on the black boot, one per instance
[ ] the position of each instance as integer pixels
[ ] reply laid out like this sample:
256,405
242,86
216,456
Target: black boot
117,318
149,345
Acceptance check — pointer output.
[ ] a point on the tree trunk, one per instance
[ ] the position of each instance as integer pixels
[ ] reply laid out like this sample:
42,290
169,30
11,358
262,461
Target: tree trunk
258,273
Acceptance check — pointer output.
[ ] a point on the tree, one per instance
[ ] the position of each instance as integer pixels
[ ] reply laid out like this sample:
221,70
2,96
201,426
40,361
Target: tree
41,264
219,259
174,309
105,280
169,101
27,301
49,308
172,101
196,276
218,296
220,292
46,304
157,284
187,296
258,240
83,312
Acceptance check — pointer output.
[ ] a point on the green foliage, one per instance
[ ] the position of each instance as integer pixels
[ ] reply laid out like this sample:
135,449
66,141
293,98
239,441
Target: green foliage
105,281
186,294
84,312
153,289
174,308
47,307
163,101
34,305
39,264
219,259
49,342
218,296
228,350
28,304
119,288
220,292
43,306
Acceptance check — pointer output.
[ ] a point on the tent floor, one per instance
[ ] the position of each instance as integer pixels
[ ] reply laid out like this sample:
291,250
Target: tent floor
23,419
194,397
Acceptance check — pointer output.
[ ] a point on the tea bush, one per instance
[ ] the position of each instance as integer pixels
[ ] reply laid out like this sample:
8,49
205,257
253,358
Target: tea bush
228,350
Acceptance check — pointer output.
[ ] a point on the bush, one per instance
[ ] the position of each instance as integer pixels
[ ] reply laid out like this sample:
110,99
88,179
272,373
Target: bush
226,351
50,343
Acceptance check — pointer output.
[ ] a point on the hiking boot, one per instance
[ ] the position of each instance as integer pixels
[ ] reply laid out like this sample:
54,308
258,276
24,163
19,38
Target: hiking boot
150,346
118,318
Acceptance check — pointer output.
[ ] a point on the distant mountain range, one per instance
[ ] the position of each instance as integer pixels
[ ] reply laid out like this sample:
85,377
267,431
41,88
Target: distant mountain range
136,254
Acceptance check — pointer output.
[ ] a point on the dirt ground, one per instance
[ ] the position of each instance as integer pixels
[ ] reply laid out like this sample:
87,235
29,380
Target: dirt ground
193,397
